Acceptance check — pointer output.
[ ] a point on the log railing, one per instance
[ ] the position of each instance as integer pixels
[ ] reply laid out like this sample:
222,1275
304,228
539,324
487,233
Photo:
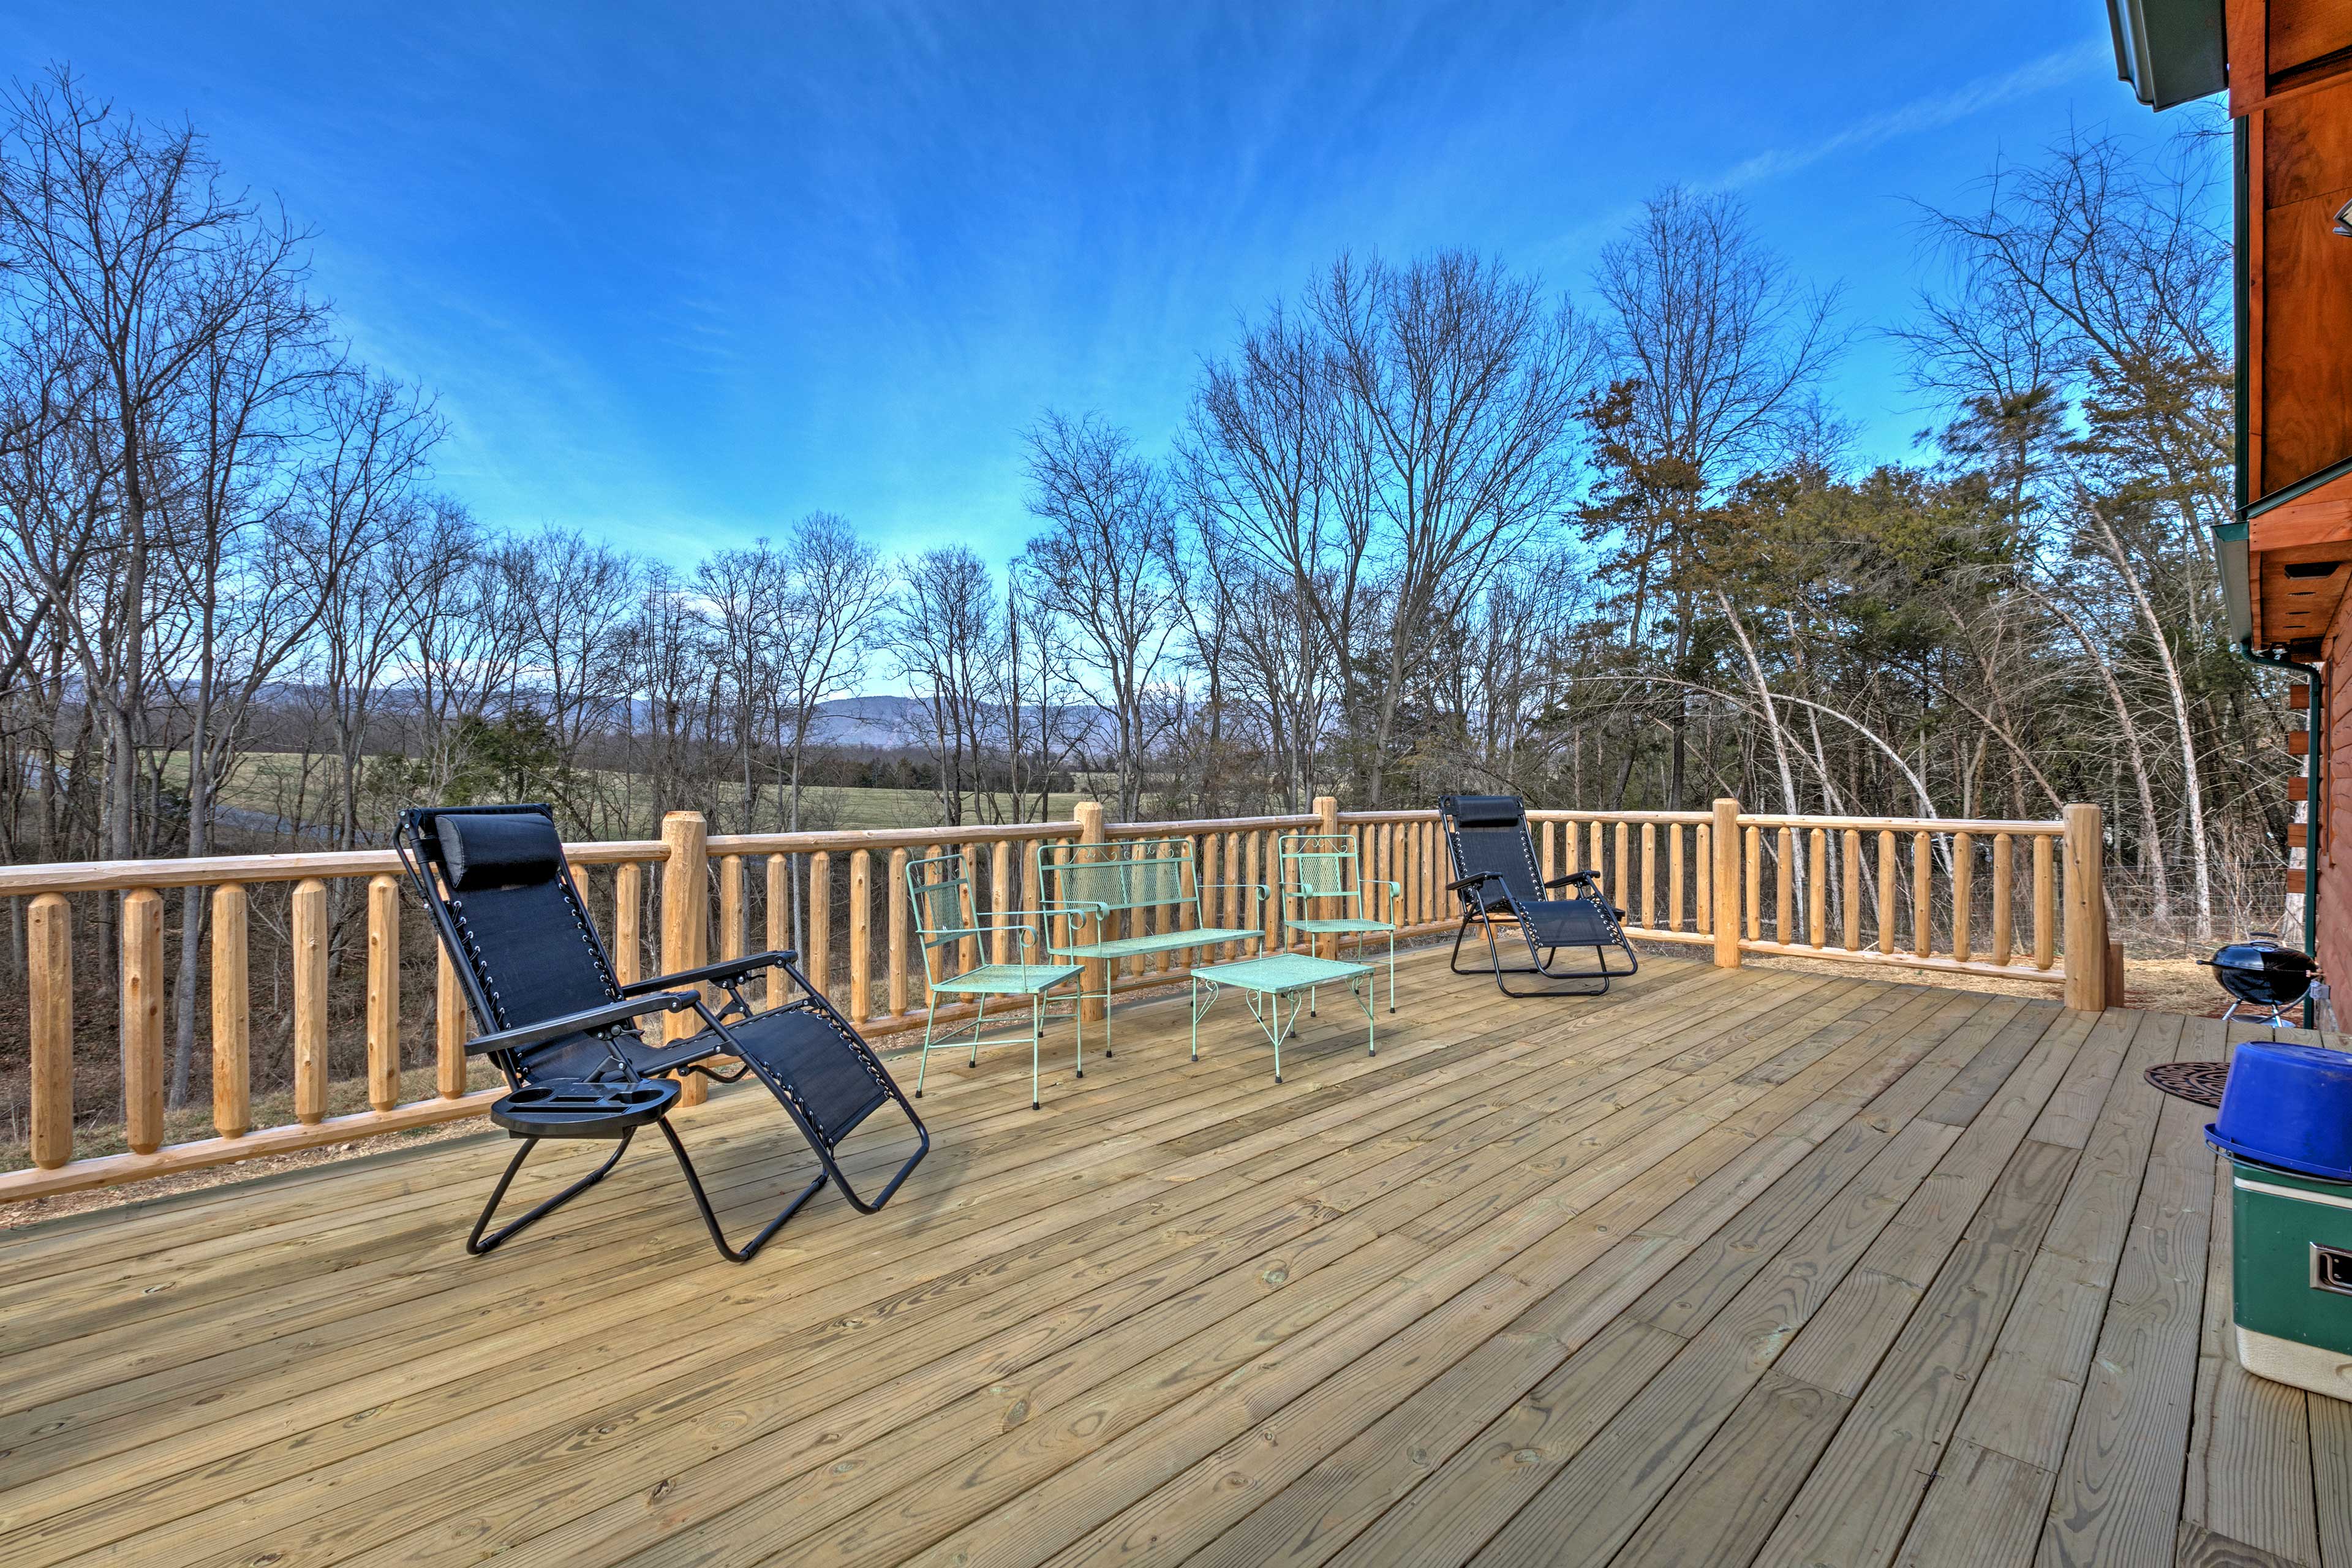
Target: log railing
1966,897
1982,898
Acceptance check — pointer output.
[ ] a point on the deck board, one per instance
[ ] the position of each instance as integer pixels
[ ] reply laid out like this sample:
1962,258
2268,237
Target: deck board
1725,1268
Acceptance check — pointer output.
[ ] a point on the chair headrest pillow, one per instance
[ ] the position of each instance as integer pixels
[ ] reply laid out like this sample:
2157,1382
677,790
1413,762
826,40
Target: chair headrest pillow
497,849
1486,810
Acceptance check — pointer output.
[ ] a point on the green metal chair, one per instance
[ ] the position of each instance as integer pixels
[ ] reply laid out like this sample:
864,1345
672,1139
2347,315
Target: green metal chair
1323,867
947,914
1089,886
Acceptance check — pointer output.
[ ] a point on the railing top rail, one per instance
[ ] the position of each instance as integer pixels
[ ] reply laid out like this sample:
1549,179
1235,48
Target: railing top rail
1206,824
808,842
2051,827
115,876
212,870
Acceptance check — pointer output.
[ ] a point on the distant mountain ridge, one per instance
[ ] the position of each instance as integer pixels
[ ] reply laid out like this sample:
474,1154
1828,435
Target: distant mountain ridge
897,724
879,723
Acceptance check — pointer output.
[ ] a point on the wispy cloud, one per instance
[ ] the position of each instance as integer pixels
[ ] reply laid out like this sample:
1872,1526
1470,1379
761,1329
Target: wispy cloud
2053,70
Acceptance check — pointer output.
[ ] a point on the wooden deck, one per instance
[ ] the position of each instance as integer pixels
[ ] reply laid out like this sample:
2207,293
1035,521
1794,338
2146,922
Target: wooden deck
1730,1266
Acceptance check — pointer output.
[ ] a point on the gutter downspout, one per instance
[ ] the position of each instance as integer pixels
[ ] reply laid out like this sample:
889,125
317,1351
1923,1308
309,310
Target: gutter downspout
2313,722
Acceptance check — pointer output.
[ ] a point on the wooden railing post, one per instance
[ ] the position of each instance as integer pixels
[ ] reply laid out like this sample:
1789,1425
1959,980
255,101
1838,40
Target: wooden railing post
1723,845
449,1031
2086,908
861,934
310,1001
383,991
142,1020
730,906
898,953
1327,815
817,962
48,943
780,925
1089,814
686,921
628,922
232,1015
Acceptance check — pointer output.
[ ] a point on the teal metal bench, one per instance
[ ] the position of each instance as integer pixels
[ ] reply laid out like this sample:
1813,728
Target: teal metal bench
1090,886
946,913
1321,868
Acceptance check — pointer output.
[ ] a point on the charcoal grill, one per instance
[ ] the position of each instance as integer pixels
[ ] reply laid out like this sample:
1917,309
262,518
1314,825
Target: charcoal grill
2261,971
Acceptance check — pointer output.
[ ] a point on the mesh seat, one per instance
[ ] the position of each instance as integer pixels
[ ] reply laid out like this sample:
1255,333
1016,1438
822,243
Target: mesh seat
799,1054
1007,979
1158,942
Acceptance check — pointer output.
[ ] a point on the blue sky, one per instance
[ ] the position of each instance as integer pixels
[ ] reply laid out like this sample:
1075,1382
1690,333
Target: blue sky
682,273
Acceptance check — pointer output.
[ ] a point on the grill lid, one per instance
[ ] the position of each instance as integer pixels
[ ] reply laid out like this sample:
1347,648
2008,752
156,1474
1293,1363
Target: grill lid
2262,954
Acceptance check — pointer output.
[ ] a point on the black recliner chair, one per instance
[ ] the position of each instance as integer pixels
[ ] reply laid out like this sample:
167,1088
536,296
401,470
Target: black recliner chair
565,1031
1501,885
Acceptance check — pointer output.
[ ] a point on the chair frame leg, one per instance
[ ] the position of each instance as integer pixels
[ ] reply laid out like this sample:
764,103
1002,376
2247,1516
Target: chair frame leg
477,1244
923,1063
1540,962
711,1221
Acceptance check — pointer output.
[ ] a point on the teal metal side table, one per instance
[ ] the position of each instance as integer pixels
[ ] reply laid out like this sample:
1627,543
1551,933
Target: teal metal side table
1269,982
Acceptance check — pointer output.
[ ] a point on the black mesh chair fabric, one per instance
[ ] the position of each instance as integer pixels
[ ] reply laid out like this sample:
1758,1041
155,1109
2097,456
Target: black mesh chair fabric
1567,923
803,1056
1501,852
535,960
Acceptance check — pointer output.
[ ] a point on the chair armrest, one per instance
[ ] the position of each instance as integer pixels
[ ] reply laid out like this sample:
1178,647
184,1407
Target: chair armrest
581,1023
1022,923
1463,884
726,968
1084,909
1589,878
1258,888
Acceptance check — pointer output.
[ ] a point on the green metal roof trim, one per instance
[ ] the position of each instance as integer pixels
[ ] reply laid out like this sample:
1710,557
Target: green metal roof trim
2169,50
2229,545
2237,602
2301,487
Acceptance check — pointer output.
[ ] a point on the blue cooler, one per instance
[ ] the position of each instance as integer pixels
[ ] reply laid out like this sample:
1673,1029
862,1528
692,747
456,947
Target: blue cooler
2285,1124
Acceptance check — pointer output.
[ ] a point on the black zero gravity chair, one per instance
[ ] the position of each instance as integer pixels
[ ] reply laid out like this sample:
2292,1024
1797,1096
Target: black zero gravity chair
1501,886
565,1032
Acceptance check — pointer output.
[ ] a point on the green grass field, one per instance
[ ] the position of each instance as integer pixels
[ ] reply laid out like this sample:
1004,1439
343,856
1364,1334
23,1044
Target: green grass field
272,784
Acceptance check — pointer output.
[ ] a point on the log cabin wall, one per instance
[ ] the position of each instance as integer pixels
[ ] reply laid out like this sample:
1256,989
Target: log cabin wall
2333,811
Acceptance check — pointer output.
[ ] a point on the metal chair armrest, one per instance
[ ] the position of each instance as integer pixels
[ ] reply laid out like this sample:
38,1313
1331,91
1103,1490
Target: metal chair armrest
726,968
587,1020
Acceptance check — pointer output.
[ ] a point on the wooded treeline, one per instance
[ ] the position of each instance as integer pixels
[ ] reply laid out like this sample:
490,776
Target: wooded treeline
1426,525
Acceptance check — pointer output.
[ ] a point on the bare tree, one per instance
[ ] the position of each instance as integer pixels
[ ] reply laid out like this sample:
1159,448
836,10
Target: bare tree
949,640
1715,346
128,233
1461,383
1101,565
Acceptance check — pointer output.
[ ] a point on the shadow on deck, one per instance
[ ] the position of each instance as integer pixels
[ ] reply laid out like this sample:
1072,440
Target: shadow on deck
1729,1267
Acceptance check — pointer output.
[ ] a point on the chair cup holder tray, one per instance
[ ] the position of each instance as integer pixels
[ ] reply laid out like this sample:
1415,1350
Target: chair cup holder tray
568,1108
